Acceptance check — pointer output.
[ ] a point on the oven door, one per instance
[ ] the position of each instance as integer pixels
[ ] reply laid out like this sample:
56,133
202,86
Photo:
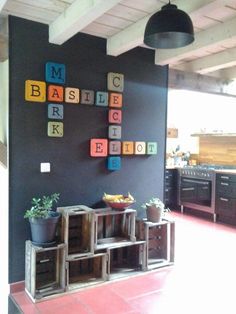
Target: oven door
196,191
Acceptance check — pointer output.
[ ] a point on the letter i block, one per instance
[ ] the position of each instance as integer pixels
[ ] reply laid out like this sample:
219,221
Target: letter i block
113,163
151,148
115,100
35,91
140,148
128,148
55,129
98,147
87,97
114,132
115,82
55,93
114,147
55,111
55,72
115,116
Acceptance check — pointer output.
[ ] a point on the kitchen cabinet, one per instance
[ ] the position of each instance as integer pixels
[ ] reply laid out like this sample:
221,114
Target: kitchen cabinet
170,198
225,205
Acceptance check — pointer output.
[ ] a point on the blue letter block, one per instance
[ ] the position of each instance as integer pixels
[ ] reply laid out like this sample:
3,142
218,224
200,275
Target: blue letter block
113,163
55,73
55,111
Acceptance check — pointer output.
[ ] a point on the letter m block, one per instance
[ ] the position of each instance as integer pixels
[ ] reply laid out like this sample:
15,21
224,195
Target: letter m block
35,91
55,73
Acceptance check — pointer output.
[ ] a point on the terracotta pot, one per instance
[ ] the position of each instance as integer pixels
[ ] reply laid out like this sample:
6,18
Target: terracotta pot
154,214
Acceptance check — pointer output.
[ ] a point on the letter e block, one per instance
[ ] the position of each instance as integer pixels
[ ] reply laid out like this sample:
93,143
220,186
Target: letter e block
127,148
55,72
115,82
72,95
140,148
55,93
151,148
35,91
115,100
98,147
87,97
55,129
115,116
114,132
114,147
55,111
102,99
114,163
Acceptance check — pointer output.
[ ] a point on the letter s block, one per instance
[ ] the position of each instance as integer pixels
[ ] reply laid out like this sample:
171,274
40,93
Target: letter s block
98,147
35,91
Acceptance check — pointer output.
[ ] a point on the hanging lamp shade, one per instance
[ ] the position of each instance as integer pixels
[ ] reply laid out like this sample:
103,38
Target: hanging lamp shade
169,28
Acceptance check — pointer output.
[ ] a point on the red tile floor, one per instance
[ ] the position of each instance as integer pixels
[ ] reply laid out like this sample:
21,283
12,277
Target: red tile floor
202,281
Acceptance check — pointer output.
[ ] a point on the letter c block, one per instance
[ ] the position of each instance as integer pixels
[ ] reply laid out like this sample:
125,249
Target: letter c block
115,116
35,91
98,147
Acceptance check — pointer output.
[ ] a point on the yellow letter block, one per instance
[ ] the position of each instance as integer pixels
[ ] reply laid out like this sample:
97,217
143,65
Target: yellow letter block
127,148
35,91
55,129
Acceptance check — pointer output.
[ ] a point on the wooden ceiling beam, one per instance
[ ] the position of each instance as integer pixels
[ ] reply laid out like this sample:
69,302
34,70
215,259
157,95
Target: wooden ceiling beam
76,17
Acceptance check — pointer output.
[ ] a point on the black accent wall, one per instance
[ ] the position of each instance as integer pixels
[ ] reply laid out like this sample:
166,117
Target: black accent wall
79,178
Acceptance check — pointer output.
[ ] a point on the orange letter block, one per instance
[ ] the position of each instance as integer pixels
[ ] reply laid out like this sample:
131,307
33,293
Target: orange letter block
98,147
127,148
55,93
115,100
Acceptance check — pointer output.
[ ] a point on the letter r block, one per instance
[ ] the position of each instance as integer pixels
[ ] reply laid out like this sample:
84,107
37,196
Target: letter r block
55,72
98,147
35,91
55,111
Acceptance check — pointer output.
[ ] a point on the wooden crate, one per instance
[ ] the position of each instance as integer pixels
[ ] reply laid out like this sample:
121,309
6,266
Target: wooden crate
126,259
44,270
77,230
86,271
160,239
113,226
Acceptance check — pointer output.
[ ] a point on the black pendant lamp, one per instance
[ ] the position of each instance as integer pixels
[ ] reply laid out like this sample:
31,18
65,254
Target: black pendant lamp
169,28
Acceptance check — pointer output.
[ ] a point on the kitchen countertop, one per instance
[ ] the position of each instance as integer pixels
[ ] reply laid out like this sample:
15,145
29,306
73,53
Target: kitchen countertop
229,171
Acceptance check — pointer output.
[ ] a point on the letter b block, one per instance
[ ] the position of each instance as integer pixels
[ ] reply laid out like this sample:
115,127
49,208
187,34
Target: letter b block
98,147
35,91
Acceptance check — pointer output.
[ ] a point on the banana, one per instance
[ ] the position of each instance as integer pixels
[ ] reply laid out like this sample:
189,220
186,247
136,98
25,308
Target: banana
118,198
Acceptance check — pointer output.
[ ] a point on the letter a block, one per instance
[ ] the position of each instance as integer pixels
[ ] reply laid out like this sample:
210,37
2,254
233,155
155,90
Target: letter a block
98,147
55,129
55,111
115,116
35,91
55,72
114,163
55,93
115,82
152,148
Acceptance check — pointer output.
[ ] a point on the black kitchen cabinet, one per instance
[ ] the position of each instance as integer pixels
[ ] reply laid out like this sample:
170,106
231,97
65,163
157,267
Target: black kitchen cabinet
171,187
225,205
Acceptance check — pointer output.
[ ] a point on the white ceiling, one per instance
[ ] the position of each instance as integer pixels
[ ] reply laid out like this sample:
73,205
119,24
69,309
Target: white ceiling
122,23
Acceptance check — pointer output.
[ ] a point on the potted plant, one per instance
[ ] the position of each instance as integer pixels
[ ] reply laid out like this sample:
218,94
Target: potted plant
43,219
155,209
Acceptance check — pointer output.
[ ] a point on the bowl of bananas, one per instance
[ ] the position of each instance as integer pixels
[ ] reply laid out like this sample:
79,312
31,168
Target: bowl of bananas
118,201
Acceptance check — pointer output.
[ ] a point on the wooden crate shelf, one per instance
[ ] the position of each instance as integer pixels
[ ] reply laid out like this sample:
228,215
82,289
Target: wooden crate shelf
44,270
113,226
86,271
160,240
77,230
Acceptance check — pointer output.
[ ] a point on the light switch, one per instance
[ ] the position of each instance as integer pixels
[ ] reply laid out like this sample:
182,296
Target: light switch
45,167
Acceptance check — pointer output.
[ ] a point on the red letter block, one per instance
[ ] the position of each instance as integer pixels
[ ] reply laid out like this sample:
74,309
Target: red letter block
115,116
98,147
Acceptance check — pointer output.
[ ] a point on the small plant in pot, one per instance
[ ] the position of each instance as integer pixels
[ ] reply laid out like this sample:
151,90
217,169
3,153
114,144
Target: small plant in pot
43,219
155,209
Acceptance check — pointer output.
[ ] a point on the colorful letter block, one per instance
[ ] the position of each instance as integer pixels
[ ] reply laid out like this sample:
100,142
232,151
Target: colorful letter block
55,111
140,148
114,163
55,129
151,148
127,148
55,72
87,97
115,100
114,132
115,82
115,116
114,147
102,99
55,93
98,147
35,91
72,95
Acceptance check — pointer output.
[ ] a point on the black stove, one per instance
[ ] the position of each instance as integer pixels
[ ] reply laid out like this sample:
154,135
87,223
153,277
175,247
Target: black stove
199,172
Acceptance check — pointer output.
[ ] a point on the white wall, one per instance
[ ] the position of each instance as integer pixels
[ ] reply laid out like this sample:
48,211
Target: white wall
3,101
194,112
